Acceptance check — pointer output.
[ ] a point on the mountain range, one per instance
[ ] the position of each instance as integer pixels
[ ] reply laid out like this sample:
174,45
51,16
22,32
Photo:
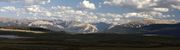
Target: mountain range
145,26
148,26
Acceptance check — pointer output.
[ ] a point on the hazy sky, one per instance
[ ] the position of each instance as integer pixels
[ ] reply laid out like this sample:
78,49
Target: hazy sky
91,10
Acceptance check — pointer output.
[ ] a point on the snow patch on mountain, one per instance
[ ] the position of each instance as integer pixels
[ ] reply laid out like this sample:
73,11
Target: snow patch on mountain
80,27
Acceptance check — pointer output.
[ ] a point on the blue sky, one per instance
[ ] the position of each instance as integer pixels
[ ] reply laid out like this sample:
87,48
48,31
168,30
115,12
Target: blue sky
91,10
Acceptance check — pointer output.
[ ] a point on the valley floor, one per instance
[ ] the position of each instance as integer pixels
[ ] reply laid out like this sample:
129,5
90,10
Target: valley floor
99,41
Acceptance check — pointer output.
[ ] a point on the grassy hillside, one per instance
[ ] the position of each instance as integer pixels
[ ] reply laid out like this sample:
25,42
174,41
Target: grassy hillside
95,41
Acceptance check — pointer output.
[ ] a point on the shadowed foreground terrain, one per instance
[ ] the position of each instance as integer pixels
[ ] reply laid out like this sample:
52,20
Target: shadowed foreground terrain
19,40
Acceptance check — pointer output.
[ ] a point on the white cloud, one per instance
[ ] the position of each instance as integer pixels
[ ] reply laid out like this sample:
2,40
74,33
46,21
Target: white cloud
7,8
8,0
49,14
88,5
176,7
33,8
71,14
161,9
144,4
148,8
28,2
37,1
135,3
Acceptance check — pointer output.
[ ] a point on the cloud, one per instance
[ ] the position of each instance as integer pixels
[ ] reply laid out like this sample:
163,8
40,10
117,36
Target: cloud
176,7
68,13
134,3
143,4
7,8
28,2
88,5
33,8
157,9
8,0
37,1
49,14
161,9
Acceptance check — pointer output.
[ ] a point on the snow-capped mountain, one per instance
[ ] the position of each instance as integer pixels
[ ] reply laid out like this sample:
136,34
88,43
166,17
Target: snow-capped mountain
46,25
145,22
53,25
67,26
138,26
81,28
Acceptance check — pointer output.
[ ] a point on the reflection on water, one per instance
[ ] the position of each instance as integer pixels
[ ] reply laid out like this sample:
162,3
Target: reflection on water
13,36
